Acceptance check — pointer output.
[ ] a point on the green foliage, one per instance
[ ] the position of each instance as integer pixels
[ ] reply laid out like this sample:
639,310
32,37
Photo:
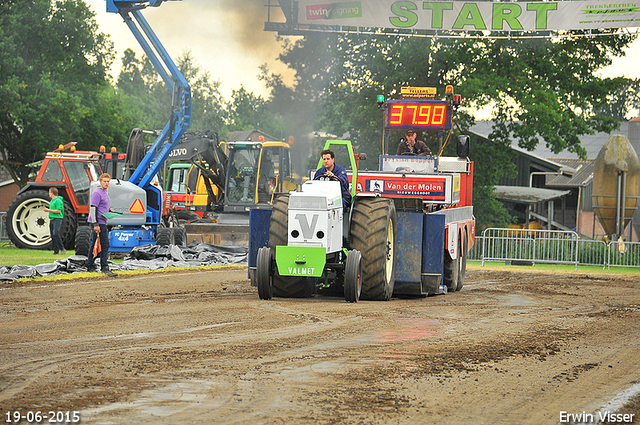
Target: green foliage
208,105
138,83
143,88
543,89
53,85
247,111
491,161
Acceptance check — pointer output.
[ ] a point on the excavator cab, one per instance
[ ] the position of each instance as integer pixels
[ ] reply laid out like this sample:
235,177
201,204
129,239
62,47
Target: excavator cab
257,171
243,168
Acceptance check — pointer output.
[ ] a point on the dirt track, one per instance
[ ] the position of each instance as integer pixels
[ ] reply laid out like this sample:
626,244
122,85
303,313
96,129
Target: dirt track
200,347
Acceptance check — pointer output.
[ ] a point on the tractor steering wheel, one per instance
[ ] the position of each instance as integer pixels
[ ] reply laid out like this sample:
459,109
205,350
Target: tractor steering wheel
324,177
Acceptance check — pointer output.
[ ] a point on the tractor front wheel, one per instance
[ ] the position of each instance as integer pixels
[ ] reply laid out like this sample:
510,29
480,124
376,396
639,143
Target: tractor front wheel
263,274
69,226
352,276
179,236
28,225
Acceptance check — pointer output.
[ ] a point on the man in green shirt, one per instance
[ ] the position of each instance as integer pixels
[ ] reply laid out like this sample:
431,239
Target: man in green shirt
56,212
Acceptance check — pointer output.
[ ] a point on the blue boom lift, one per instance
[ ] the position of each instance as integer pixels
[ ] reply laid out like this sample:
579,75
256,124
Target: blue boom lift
141,198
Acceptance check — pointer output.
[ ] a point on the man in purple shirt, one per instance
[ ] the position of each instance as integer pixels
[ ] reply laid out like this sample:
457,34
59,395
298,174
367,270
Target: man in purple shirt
100,205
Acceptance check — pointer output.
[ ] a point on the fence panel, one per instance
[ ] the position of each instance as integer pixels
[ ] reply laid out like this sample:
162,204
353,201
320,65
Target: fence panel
475,253
536,246
556,246
593,253
624,254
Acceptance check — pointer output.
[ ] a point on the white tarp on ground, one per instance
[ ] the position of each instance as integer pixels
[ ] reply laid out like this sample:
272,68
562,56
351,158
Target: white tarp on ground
472,15
148,257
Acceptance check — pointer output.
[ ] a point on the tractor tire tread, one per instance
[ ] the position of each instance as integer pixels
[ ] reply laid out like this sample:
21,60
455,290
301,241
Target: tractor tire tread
83,240
369,229
163,237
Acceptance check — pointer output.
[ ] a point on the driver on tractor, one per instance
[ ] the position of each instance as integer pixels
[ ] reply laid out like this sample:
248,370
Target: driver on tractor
411,146
332,171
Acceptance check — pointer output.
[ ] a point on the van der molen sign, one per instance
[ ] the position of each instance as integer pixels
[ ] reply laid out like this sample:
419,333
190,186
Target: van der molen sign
473,15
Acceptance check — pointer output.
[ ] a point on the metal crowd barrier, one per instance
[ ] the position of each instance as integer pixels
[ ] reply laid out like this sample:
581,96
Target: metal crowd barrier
552,246
532,246
625,254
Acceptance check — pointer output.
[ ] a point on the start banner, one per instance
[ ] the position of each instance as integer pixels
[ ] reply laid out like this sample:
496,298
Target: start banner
473,15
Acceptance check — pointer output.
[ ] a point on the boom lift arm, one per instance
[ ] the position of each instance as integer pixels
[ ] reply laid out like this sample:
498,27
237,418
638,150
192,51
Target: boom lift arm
176,82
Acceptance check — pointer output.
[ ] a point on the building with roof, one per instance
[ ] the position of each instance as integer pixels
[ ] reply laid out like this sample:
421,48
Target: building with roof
553,190
8,189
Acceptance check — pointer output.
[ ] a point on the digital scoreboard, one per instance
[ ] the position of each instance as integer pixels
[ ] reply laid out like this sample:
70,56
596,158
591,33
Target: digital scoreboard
419,114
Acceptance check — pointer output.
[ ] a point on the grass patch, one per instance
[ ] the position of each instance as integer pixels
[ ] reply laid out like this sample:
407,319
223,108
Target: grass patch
12,256
553,268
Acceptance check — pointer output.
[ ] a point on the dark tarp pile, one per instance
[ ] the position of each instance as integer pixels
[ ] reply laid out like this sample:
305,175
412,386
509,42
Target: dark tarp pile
148,257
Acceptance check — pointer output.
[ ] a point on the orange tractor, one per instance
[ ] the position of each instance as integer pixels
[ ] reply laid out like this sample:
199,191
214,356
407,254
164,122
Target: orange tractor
71,172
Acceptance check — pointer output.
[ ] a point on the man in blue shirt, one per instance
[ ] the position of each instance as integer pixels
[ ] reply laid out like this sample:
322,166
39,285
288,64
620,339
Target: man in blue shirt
332,171
100,205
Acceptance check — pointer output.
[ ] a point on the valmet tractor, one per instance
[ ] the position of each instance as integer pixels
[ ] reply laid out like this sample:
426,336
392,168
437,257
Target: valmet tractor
408,231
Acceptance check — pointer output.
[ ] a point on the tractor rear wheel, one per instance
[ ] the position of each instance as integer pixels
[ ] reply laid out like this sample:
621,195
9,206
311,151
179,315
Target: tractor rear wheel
69,226
263,274
451,272
26,222
373,233
352,276
83,240
28,225
285,286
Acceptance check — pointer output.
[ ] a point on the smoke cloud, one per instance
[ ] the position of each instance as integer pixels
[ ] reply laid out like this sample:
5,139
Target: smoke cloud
226,37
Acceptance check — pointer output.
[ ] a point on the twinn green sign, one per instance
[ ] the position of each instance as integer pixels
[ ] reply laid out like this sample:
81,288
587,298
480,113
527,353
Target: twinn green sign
306,261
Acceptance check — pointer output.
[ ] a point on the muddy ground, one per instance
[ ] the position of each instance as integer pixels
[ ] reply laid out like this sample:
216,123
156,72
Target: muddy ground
200,347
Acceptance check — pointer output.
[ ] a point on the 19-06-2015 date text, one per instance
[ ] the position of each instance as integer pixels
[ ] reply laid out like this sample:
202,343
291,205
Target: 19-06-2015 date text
50,417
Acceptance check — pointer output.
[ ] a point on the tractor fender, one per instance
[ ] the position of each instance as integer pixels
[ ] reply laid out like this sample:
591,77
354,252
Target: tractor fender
38,185
452,240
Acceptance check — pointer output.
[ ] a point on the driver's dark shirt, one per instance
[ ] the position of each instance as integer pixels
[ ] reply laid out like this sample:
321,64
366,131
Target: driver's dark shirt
419,148
341,174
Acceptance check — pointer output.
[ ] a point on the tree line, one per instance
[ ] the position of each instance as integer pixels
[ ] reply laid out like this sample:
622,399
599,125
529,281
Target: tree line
55,88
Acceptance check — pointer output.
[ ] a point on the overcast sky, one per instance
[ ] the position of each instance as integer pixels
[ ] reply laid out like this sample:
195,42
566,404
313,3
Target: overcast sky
227,39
